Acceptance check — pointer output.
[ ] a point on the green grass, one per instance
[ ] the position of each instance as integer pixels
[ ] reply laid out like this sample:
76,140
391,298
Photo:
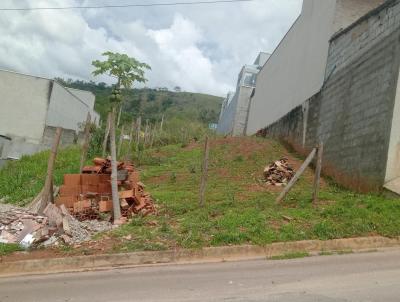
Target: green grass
22,180
6,249
238,210
293,255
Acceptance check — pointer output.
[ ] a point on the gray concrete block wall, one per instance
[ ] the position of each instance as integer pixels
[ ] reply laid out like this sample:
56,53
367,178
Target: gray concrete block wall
68,137
353,113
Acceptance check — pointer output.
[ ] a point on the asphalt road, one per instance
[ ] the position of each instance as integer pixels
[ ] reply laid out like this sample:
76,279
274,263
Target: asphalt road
355,277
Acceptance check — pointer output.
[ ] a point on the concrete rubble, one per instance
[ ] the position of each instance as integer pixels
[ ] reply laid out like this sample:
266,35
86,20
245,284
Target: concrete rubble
82,208
18,225
278,173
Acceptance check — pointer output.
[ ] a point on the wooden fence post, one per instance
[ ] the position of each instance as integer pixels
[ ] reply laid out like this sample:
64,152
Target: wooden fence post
106,134
138,129
130,140
121,139
318,168
146,133
297,175
47,190
204,172
86,142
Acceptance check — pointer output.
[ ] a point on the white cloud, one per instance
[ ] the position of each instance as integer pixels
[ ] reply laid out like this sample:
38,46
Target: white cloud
200,48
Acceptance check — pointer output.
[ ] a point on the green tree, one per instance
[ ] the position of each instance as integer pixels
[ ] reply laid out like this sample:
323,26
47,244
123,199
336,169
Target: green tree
126,70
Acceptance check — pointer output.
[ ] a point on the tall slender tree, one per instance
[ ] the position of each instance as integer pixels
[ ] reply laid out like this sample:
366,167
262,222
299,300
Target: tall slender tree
126,70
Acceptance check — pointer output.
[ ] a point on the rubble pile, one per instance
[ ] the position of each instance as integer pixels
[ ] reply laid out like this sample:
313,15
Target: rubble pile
278,173
87,196
18,225
82,208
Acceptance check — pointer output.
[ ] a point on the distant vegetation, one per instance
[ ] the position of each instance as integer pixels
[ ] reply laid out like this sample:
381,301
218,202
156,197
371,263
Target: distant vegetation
151,103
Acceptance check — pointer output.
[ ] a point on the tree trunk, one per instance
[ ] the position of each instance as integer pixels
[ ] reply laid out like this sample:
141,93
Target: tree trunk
86,142
106,134
47,190
119,114
114,172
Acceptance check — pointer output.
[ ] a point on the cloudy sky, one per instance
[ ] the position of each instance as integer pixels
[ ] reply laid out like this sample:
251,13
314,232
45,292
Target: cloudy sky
200,48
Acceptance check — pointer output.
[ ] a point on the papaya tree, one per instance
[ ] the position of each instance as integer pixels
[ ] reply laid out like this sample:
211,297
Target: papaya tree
126,70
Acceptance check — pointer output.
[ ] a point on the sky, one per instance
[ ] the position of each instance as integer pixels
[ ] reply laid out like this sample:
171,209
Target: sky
199,48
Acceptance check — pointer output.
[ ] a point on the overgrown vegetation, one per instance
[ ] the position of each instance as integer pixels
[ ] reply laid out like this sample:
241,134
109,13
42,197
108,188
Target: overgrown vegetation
22,180
152,104
239,208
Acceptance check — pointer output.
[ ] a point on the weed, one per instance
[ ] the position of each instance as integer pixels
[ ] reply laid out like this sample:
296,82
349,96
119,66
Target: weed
6,249
292,255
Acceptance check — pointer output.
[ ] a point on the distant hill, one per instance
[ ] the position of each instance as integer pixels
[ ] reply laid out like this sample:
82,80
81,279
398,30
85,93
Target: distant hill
152,104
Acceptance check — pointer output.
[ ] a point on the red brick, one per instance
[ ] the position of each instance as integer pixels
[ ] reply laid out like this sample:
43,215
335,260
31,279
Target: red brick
81,205
72,180
90,179
105,206
70,190
104,178
104,188
125,194
90,189
67,201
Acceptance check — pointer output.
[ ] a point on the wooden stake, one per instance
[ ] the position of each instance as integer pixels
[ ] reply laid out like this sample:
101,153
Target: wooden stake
130,141
318,168
114,172
146,133
204,173
138,129
47,190
297,175
86,142
121,139
162,123
106,134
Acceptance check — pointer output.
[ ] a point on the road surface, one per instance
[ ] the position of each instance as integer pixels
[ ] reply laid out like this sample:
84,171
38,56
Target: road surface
355,277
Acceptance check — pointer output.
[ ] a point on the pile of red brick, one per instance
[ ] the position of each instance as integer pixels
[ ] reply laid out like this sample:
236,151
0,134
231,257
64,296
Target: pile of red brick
88,195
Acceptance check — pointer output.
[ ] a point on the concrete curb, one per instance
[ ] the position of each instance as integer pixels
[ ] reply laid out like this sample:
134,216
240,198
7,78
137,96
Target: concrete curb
212,254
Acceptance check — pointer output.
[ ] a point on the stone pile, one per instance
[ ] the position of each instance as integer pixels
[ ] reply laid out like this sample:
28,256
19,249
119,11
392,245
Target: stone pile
278,173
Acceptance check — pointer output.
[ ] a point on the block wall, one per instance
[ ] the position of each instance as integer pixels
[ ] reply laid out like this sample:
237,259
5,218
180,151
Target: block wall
353,112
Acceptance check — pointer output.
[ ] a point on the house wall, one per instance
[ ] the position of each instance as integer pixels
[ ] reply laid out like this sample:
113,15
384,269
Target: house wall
354,112
30,109
23,101
66,110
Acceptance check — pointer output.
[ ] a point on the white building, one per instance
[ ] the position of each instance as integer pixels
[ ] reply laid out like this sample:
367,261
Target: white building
235,108
296,69
31,108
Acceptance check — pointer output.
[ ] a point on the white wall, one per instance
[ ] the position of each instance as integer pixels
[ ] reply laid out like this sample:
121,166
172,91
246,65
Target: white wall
65,109
23,103
89,99
295,71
